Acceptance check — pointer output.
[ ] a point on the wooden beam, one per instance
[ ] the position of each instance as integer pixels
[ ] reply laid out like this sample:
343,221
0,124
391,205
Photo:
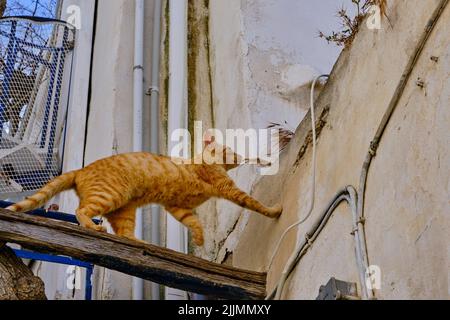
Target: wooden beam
146,261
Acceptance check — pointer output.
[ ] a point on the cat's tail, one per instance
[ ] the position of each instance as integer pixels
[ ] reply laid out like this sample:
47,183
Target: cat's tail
63,182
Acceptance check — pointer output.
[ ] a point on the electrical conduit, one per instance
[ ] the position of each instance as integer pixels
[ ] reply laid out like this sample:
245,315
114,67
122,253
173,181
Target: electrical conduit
349,195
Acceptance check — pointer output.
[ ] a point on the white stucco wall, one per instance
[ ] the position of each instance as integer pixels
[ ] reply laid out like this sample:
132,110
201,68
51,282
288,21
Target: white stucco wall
284,52
259,29
407,208
260,68
262,52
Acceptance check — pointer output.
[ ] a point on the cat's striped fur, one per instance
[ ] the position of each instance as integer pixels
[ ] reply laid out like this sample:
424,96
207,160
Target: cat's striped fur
115,186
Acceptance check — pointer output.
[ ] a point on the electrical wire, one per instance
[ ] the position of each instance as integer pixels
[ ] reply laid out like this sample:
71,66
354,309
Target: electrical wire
395,100
313,175
348,195
391,108
311,235
356,202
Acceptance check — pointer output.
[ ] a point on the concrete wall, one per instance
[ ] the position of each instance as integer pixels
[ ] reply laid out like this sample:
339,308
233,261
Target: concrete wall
407,208
104,123
251,68
259,71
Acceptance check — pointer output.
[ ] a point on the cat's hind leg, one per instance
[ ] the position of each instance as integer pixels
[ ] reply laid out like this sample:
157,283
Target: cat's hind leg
187,218
94,204
84,217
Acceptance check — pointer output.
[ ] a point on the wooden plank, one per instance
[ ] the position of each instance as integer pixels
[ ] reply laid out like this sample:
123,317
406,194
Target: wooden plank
146,261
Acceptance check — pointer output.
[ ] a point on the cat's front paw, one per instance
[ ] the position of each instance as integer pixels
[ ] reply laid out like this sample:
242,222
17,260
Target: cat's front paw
276,211
99,228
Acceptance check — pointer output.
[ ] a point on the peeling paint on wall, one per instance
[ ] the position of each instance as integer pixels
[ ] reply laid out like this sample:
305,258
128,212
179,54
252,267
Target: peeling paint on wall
260,73
407,190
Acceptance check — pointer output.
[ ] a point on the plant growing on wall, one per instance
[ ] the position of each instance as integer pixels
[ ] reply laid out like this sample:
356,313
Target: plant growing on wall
285,135
351,25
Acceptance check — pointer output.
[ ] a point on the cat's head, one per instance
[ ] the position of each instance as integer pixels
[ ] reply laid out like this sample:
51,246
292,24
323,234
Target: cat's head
215,153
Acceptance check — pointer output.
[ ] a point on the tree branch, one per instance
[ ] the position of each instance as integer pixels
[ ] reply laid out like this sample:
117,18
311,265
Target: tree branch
17,282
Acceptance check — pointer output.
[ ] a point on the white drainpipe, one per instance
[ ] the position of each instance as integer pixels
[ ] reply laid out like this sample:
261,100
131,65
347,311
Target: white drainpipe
138,103
154,123
177,117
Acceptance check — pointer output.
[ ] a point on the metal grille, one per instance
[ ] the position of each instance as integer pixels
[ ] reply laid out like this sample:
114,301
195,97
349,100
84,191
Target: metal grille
35,55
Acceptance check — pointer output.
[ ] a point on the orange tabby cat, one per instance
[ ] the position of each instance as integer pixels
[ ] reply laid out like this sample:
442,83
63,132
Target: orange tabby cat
115,186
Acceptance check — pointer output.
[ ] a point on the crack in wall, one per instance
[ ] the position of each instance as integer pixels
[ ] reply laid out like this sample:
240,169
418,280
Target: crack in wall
320,124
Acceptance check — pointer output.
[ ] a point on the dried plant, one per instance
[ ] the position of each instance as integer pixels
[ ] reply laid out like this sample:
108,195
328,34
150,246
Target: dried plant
351,25
285,135
382,4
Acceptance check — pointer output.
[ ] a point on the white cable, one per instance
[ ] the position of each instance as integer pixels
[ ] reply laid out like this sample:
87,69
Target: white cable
313,187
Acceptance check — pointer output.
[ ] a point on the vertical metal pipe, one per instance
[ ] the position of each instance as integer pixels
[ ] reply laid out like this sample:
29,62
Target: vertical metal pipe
154,123
177,118
138,103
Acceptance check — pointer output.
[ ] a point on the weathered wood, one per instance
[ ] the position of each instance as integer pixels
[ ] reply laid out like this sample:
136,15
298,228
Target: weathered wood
145,261
17,282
